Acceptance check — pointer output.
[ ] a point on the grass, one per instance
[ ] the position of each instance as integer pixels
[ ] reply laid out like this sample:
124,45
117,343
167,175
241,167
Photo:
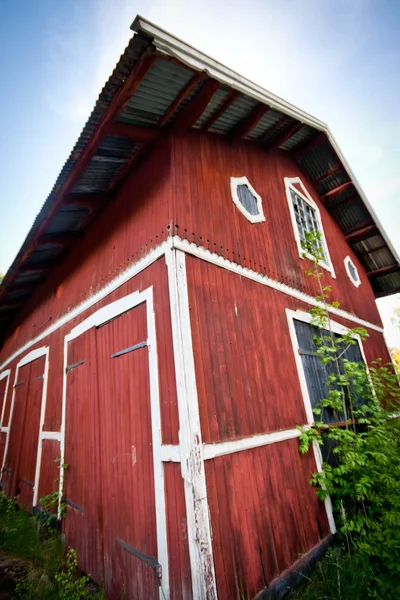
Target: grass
48,571
343,576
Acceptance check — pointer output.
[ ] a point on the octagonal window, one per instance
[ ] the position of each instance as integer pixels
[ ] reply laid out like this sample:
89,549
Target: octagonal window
246,199
352,271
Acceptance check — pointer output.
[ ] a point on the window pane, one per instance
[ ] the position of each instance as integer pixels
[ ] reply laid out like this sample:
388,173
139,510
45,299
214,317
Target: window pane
306,218
247,199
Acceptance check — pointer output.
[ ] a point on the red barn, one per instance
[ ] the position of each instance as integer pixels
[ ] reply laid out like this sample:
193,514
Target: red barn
156,334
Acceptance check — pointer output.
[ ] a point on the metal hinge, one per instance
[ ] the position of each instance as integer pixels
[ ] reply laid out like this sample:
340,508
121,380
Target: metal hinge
77,364
130,349
150,560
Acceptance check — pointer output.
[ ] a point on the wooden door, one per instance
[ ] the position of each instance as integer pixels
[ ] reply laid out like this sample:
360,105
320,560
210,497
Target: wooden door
20,461
3,401
82,455
128,496
10,470
30,439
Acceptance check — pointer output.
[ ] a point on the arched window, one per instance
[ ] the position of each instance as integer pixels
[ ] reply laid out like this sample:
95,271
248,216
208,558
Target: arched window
246,199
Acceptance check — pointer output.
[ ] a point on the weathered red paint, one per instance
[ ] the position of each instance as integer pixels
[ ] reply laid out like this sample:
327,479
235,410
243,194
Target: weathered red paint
202,165
263,511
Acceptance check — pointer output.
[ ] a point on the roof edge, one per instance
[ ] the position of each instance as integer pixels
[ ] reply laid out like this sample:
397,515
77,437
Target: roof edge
202,62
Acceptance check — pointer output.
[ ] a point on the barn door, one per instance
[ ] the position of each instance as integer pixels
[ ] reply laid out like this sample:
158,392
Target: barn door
128,498
109,442
82,475
20,461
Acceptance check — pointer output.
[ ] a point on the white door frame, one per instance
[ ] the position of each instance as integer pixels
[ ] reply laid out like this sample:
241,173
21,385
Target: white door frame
4,374
160,452
28,358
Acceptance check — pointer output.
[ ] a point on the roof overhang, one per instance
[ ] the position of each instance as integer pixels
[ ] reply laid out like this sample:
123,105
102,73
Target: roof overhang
131,115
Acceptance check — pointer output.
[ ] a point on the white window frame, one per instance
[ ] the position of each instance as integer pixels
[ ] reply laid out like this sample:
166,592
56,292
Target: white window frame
235,182
306,317
290,184
347,262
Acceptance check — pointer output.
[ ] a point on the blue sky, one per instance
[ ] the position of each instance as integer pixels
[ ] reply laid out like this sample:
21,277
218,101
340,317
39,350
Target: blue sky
337,59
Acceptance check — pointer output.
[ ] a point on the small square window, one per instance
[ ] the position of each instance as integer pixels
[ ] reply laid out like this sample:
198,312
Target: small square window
306,219
246,199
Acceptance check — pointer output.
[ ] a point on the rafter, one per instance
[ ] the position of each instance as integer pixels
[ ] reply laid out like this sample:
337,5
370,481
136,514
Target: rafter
58,239
232,97
344,201
249,122
383,271
362,232
187,90
195,108
41,266
132,132
332,171
284,119
310,144
87,200
337,190
372,250
285,135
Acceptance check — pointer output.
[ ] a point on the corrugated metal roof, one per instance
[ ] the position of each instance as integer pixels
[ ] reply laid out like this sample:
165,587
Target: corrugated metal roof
234,114
156,93
215,103
302,134
267,121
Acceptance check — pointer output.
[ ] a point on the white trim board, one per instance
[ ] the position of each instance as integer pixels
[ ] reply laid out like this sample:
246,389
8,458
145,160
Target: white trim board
224,263
255,441
191,449
122,278
199,252
100,317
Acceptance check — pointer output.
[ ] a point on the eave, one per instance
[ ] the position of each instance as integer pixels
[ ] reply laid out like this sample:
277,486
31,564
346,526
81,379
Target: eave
131,115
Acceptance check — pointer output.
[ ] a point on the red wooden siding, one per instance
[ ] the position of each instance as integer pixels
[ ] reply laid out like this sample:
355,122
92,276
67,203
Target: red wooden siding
110,478
245,369
180,577
50,468
20,464
264,515
82,455
155,276
205,214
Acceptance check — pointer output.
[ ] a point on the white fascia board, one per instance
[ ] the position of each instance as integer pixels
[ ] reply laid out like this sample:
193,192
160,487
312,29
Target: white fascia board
201,62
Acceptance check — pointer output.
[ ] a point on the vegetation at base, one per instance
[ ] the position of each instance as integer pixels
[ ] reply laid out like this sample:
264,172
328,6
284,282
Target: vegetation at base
50,572
361,472
341,575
